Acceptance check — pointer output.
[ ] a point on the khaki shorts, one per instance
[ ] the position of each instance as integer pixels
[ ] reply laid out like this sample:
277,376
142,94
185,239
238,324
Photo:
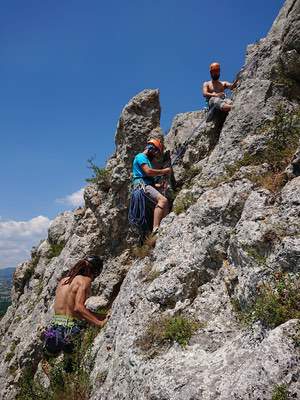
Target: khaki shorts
218,102
152,193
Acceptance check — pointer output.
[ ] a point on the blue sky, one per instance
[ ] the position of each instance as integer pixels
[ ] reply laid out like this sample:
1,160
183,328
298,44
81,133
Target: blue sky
68,68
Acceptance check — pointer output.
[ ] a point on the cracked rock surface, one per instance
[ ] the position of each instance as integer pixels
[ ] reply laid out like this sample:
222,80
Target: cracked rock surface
233,230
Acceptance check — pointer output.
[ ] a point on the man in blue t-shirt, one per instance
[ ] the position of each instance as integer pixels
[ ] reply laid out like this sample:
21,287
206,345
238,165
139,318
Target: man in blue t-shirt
143,172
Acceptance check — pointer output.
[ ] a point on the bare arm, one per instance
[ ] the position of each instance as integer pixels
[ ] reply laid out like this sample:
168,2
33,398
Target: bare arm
228,85
155,172
205,91
80,308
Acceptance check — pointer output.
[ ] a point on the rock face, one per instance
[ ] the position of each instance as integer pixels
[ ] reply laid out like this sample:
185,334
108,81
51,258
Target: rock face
230,247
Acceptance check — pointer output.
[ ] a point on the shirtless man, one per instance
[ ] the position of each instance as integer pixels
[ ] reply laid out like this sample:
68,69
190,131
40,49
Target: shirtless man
214,91
69,307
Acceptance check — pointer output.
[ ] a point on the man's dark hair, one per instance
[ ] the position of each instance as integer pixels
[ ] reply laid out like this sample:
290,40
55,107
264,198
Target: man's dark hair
85,267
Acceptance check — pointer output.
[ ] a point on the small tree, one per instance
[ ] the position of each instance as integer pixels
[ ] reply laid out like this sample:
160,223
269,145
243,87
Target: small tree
100,176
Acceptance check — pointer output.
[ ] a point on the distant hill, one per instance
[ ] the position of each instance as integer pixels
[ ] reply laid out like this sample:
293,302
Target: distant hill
6,273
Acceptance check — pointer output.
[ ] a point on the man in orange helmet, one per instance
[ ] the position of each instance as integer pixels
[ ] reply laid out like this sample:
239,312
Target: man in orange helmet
144,173
214,91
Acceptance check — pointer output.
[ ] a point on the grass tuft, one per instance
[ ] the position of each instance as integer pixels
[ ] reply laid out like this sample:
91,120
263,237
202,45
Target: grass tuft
55,250
253,253
146,248
280,393
276,303
283,136
182,203
167,330
272,181
100,176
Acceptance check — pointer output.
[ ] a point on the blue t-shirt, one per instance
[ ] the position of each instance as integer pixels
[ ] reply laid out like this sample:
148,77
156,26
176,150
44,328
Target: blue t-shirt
137,171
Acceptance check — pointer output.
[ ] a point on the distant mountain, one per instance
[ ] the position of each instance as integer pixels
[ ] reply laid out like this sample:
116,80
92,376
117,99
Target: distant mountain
6,273
6,276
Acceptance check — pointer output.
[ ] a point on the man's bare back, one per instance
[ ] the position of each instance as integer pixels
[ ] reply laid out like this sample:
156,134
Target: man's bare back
69,306
70,299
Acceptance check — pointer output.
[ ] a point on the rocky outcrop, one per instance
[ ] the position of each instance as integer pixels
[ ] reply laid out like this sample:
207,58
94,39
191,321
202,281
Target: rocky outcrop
139,117
227,257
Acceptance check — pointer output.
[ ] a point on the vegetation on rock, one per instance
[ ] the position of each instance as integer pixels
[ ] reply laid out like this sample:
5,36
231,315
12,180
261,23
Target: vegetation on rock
276,303
146,248
167,330
182,203
100,176
190,174
282,139
55,250
280,393
73,385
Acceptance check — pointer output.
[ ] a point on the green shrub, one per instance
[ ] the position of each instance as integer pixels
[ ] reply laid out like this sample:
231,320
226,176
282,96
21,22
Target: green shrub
100,176
190,173
253,253
55,250
276,303
29,389
35,260
12,350
167,330
31,268
280,393
283,135
180,330
67,386
182,203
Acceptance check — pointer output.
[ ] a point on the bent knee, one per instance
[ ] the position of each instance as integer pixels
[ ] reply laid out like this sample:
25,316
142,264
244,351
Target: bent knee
226,107
162,202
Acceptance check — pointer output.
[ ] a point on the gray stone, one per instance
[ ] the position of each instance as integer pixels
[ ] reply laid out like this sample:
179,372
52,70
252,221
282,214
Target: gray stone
230,237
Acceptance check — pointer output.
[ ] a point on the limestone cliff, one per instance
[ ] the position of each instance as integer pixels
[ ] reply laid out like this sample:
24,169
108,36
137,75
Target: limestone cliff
226,263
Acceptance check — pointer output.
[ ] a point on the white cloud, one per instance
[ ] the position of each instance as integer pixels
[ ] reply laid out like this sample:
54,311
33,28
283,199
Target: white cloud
75,199
18,237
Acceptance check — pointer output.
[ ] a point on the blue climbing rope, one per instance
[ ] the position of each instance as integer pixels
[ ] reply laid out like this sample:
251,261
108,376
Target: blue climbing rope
137,209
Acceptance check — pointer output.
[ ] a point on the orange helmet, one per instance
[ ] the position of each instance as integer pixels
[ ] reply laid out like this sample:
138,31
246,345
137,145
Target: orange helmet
214,67
157,143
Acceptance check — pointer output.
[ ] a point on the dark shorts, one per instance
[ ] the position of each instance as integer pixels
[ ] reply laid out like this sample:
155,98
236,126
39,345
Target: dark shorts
59,338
